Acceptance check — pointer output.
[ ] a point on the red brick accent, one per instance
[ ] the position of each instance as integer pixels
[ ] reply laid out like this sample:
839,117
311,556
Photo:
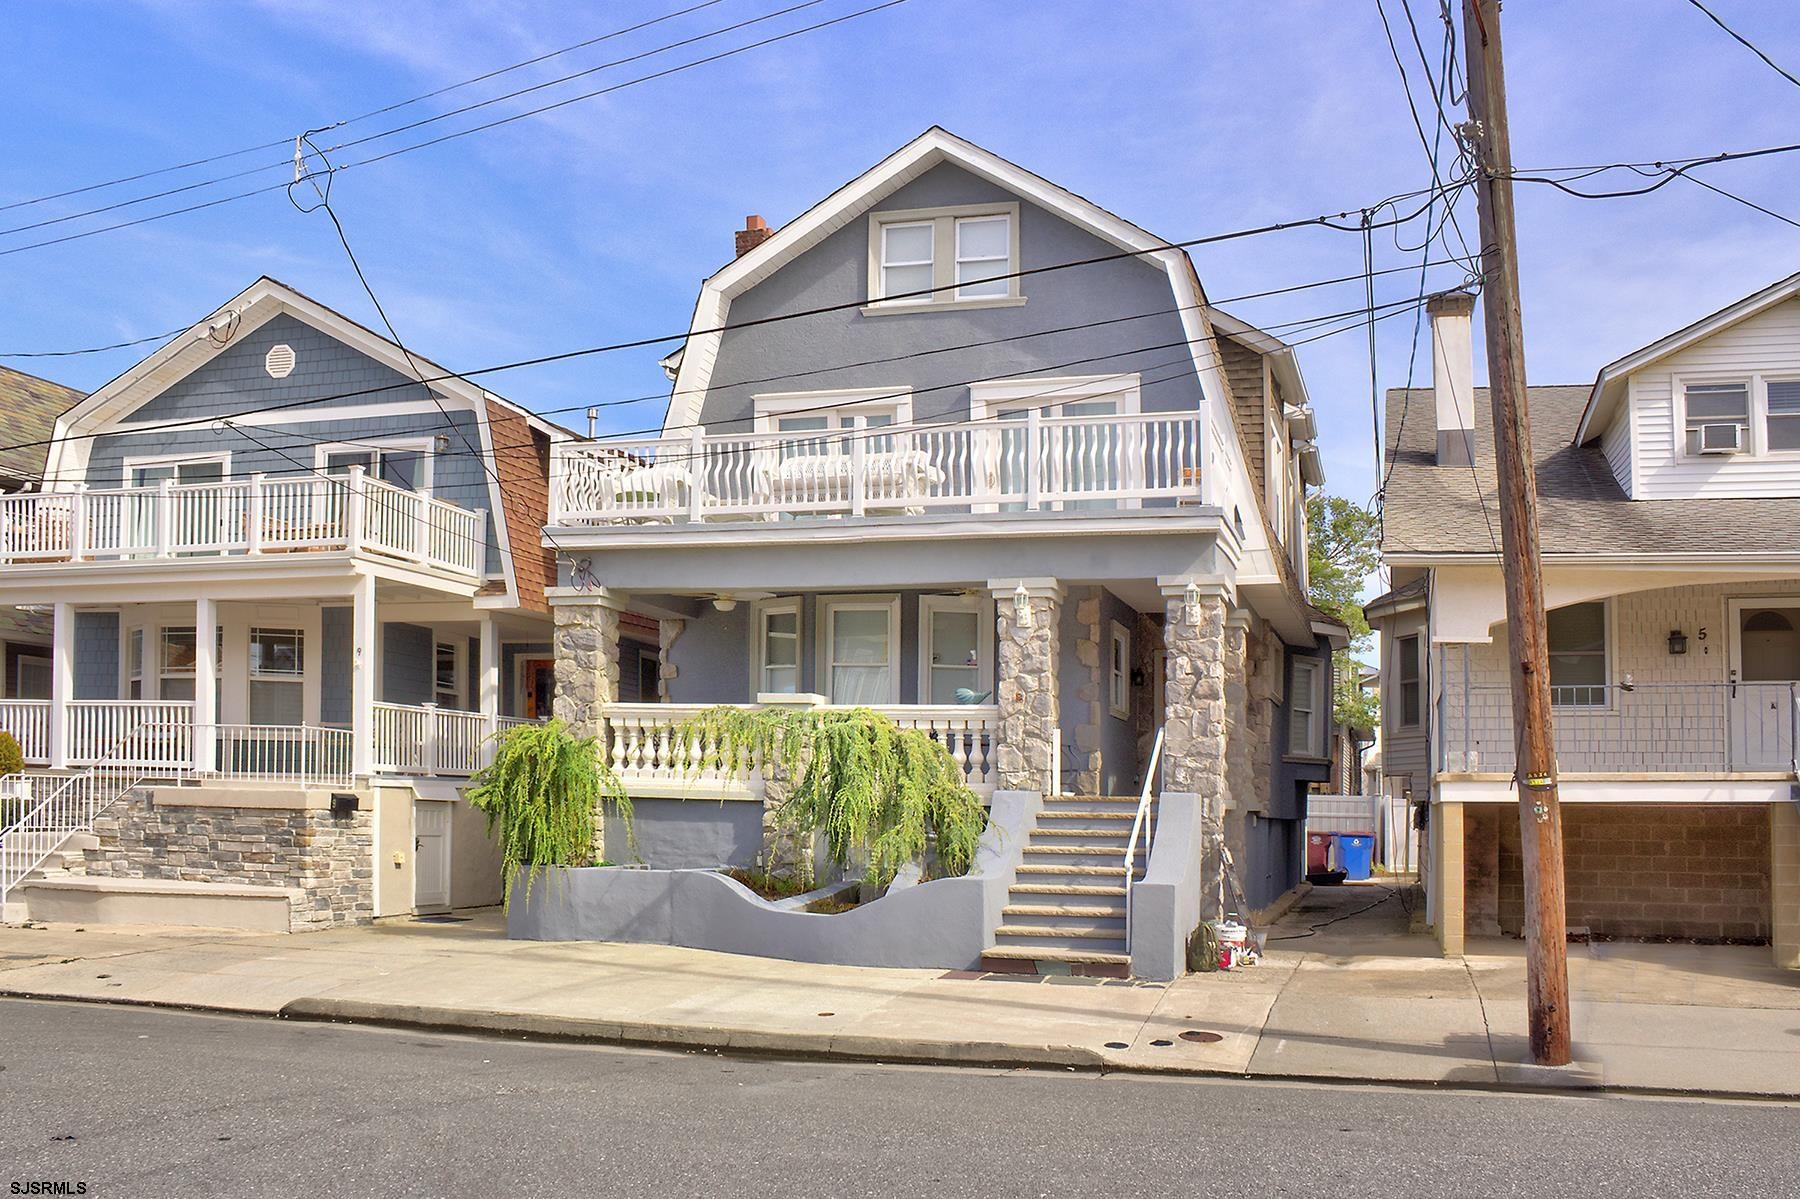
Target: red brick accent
1698,873
755,232
522,463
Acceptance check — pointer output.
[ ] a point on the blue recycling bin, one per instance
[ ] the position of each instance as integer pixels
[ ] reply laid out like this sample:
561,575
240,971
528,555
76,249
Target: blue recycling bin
1356,854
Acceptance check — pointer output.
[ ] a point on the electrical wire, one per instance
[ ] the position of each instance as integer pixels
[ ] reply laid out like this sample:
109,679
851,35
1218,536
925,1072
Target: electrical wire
1746,43
729,326
382,111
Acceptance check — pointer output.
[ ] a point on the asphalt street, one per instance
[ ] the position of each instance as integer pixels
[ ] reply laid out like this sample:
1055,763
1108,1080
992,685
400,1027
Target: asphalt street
142,1102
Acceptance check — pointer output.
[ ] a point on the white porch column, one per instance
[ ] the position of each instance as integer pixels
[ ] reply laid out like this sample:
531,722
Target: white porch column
206,671
363,665
488,665
62,683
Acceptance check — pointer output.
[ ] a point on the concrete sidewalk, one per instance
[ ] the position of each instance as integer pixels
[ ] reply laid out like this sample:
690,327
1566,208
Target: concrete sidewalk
1345,993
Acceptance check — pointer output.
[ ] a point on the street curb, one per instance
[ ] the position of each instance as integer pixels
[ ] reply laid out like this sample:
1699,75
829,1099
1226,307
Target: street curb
848,1047
858,1048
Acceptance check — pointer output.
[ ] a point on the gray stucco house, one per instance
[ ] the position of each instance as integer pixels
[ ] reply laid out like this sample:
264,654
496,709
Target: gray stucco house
963,446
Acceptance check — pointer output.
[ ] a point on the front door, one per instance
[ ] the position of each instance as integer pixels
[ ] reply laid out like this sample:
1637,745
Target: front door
538,676
1765,666
431,855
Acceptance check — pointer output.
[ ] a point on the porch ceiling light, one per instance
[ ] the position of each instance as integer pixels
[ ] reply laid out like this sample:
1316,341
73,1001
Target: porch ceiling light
725,603
1022,606
1677,642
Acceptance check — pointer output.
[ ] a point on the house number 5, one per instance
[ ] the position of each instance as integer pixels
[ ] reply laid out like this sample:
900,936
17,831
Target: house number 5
1700,636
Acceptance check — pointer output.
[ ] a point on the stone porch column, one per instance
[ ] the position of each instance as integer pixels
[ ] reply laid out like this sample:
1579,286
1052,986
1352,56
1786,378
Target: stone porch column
1027,647
586,643
587,657
1194,707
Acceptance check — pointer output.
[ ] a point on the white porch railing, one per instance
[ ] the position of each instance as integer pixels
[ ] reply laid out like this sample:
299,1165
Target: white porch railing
648,755
426,739
989,465
28,720
244,517
296,753
145,734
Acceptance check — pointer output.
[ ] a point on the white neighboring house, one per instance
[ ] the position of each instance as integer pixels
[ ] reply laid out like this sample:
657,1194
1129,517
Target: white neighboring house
1670,512
286,589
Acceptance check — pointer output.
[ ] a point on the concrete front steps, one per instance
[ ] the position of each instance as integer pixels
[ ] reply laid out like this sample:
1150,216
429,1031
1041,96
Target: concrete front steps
1065,913
67,860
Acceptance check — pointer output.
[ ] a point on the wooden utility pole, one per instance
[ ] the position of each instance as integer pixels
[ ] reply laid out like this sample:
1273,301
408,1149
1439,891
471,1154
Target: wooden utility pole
1540,816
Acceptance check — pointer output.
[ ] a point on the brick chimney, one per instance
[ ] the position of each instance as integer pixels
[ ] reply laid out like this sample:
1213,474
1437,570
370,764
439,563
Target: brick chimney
1453,375
755,232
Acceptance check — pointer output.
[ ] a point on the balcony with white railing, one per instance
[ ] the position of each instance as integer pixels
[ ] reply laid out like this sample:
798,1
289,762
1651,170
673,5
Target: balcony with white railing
1034,463
1700,730
654,757
256,517
160,737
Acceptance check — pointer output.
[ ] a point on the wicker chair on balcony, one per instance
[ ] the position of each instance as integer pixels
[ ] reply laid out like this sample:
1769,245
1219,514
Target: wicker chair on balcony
894,479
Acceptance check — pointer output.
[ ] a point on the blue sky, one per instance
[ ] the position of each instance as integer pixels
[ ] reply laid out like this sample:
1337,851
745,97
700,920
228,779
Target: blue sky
596,223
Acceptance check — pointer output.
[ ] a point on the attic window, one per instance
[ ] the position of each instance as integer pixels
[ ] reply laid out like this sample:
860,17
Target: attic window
280,361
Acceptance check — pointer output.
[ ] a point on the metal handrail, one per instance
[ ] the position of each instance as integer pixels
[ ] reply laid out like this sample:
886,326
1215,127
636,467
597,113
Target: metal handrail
1141,826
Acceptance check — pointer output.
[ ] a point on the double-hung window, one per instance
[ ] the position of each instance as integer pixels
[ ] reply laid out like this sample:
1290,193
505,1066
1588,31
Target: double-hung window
860,649
1412,690
1716,404
778,651
1578,668
943,257
907,253
446,688
1118,671
958,650
134,665
176,662
277,675
1784,414
1306,708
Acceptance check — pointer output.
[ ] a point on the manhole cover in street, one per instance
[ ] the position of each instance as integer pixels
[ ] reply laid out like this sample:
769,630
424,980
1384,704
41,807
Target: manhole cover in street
1117,1045
1161,1044
1201,1036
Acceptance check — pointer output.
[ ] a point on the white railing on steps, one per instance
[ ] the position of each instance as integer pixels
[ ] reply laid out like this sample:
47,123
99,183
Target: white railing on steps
70,807
1142,827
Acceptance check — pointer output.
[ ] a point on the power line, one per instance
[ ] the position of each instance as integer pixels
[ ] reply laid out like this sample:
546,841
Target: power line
1746,43
645,342
467,108
1398,307
382,111
699,62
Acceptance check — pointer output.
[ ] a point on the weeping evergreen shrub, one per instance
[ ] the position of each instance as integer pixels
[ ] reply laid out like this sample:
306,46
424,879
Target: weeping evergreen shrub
540,795
863,782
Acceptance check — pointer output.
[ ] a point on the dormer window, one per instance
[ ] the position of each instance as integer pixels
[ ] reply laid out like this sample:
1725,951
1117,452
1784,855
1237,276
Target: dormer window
1712,410
937,258
1784,414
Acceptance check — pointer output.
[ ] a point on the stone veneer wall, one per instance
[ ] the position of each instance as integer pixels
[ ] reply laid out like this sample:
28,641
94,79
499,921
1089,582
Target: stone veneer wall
1646,871
1091,690
1194,699
330,861
1027,694
586,642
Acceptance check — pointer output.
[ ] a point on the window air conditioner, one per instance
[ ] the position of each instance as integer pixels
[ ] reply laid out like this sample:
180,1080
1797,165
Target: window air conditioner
1722,439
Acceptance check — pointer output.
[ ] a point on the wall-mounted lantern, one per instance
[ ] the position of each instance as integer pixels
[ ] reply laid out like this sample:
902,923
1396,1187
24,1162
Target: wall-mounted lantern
1677,642
1022,607
1190,603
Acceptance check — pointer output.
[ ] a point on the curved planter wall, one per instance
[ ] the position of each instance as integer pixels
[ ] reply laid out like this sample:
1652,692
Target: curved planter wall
943,924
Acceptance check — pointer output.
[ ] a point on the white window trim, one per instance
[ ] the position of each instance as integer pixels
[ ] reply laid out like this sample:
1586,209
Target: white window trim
984,640
1759,413
853,401
458,670
1612,656
425,447
1418,639
759,646
990,397
1317,669
19,662
1756,410
832,604
1118,636
943,259
131,462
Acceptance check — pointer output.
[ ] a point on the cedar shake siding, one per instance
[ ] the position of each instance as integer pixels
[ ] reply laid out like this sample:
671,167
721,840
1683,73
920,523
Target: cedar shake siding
522,461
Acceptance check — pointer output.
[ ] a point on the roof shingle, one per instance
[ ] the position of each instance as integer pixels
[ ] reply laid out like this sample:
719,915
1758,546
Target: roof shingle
29,406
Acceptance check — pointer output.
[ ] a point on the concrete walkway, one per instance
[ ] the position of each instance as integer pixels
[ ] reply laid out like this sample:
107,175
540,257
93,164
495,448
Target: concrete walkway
1346,992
